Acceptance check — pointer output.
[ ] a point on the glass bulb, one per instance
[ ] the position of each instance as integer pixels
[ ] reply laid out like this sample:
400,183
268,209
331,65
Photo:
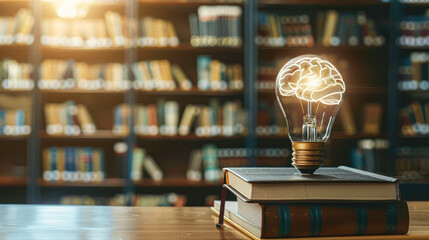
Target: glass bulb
310,92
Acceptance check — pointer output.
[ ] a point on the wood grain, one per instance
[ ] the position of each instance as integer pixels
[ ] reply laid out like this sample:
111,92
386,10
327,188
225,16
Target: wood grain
163,223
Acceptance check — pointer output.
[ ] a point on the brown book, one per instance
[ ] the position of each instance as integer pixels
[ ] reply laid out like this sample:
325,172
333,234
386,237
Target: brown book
316,219
347,120
372,118
327,184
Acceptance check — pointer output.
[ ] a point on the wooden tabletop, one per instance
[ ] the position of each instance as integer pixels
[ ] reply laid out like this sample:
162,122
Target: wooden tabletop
101,222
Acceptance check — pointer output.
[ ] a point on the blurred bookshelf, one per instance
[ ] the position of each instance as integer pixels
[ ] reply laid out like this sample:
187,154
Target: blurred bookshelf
117,98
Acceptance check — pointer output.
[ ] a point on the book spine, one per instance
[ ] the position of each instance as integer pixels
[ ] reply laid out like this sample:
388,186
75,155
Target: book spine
293,220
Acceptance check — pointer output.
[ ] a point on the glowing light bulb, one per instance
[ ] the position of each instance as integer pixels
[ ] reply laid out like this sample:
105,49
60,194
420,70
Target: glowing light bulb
310,91
72,9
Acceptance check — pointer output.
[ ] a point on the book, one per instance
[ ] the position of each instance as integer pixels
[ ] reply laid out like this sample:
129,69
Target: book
17,29
157,32
372,118
193,172
216,26
412,163
217,76
316,219
413,30
342,183
152,168
211,164
15,75
347,120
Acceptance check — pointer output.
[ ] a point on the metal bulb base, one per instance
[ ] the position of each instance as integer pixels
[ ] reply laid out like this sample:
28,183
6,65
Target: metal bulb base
308,156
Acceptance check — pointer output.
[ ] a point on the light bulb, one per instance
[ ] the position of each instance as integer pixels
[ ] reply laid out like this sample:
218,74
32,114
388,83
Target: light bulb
310,91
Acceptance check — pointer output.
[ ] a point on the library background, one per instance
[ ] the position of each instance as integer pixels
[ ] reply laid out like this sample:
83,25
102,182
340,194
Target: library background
143,102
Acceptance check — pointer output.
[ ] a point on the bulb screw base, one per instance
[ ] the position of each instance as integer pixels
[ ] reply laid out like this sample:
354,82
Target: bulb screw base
308,156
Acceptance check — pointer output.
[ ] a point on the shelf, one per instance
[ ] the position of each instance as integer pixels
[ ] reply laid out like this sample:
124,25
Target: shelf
61,49
14,137
95,3
184,3
189,47
263,3
411,137
109,182
81,91
6,181
100,134
18,91
414,47
191,137
193,92
175,182
323,48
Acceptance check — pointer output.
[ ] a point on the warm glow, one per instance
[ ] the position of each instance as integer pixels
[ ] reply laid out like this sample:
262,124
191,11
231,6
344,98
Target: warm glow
72,9
312,79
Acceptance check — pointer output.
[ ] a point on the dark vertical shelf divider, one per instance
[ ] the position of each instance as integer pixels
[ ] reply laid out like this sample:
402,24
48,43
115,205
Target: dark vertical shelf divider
250,68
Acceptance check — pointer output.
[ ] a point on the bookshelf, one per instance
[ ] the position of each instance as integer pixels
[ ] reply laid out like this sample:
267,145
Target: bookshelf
371,77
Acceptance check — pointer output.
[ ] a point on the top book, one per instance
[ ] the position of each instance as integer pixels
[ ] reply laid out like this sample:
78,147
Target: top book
327,184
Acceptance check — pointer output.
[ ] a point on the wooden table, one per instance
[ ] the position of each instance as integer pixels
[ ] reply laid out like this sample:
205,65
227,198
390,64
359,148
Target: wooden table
100,222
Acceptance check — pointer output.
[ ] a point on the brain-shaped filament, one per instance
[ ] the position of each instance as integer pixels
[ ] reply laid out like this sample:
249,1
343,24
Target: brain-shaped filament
312,79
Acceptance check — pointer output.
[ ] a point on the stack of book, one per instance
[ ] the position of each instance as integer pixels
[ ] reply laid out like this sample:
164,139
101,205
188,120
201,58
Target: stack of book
14,122
279,30
281,203
68,74
217,76
68,119
159,75
218,158
15,75
73,164
414,31
155,32
17,29
105,32
142,161
216,26
413,73
412,163
347,28
415,119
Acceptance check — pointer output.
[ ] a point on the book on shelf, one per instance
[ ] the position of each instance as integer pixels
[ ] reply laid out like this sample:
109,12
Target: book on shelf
232,157
211,163
14,122
148,200
347,28
281,203
347,119
71,164
373,113
279,30
414,72
69,74
17,29
156,32
163,119
341,184
412,163
15,75
270,120
413,31
371,155
216,26
159,75
217,76
68,119
92,33
316,219
142,161
414,119
121,118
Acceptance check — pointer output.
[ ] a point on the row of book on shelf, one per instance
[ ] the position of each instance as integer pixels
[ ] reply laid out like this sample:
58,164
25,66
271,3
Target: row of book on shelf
414,72
265,207
412,163
149,75
333,29
14,122
206,163
370,155
413,31
414,119
270,119
147,200
216,26
163,118
17,29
